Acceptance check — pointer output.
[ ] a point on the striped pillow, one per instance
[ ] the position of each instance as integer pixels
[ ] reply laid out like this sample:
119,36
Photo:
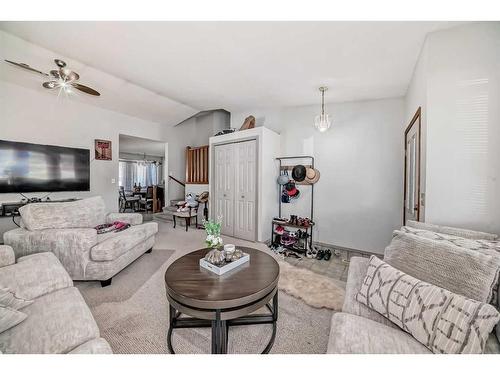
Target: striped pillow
443,321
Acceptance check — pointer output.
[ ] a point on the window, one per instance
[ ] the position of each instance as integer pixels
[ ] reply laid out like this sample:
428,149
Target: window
145,173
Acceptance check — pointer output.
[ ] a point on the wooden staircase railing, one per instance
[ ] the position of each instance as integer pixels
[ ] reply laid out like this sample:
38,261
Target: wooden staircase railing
176,180
197,165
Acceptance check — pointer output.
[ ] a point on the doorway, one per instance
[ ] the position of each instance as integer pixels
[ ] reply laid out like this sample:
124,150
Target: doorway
411,198
141,174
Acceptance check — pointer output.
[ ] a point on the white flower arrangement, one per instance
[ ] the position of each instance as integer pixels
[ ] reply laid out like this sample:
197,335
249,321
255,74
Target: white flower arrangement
213,229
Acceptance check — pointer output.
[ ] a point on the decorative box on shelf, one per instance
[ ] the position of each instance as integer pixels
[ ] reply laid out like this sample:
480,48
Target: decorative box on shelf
226,266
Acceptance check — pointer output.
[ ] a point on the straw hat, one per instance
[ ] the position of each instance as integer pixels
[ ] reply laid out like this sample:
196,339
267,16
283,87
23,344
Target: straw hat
312,175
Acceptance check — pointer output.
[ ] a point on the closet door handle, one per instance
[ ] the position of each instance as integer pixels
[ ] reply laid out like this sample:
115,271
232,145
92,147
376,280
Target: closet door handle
243,196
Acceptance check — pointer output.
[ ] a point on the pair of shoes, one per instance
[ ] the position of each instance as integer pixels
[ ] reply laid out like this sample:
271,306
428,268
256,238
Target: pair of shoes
279,230
328,255
324,254
287,240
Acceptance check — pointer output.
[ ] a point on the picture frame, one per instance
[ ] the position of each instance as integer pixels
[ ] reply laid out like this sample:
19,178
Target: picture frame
103,150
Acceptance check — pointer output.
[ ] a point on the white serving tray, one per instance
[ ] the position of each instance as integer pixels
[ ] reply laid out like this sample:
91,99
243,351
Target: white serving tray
225,268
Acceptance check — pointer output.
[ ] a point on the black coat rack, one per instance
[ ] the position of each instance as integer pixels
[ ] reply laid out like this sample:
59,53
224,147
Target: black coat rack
308,229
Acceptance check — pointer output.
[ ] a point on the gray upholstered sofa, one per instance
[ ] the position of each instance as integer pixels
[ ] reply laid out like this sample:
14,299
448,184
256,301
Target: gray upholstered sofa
57,320
360,330
67,230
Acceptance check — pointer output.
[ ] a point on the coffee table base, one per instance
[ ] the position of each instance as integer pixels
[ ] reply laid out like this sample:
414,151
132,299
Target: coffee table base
220,327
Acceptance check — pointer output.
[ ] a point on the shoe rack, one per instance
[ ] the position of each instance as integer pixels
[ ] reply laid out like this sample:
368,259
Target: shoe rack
307,229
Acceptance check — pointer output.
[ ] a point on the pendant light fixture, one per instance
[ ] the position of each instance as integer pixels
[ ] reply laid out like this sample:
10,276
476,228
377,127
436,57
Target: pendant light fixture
322,121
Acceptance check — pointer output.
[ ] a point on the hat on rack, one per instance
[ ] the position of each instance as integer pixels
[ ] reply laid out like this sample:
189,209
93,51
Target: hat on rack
292,192
312,175
203,197
299,173
283,178
295,194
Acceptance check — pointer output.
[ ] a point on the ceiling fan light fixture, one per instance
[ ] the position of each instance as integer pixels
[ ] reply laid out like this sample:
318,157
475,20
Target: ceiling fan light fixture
322,121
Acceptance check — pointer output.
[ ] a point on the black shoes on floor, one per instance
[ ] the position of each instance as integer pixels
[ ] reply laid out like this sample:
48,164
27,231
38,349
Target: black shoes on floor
324,254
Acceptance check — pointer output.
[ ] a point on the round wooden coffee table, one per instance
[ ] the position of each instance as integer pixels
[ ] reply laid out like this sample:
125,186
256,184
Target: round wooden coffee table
222,301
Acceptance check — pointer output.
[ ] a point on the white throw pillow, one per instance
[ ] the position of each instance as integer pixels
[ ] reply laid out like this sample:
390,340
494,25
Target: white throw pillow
443,321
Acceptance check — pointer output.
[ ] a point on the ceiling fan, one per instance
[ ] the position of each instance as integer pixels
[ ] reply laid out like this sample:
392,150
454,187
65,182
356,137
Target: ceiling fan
62,78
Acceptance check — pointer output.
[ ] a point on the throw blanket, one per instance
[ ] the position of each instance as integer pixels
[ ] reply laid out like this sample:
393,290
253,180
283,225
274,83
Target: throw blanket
116,226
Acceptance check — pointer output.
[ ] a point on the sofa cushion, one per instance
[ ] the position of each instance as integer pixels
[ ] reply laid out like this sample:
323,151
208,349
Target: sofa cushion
8,298
469,273
85,213
112,245
57,323
352,334
95,346
465,233
443,321
7,256
9,318
34,276
106,270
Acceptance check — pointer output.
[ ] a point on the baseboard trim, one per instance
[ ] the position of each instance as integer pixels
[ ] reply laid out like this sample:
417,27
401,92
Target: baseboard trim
349,250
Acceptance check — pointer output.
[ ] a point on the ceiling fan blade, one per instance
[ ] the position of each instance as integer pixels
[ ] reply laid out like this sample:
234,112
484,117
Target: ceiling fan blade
60,63
51,84
27,67
85,89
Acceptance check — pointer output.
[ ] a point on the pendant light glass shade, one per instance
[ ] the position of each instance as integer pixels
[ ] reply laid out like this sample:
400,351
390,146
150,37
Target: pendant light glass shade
322,122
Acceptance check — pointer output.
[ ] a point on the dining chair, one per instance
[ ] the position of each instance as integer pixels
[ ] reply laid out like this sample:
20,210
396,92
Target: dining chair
127,202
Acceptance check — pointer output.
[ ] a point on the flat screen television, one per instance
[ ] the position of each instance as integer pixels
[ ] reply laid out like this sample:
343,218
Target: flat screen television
27,167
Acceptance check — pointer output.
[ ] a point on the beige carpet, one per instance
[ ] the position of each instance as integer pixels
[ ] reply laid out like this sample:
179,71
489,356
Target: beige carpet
133,316
127,282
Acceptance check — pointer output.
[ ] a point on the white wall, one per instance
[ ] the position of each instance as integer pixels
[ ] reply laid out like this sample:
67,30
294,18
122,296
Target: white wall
463,127
358,200
194,132
416,96
39,117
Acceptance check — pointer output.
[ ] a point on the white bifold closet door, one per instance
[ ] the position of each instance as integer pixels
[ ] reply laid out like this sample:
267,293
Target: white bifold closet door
224,187
245,185
235,188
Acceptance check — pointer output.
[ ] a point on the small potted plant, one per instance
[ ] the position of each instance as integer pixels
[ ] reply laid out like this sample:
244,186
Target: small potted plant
214,241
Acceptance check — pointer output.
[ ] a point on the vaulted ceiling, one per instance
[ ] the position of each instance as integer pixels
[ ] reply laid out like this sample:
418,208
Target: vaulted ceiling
183,67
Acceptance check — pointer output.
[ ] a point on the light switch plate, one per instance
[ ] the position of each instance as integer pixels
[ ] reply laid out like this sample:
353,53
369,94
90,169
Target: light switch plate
113,180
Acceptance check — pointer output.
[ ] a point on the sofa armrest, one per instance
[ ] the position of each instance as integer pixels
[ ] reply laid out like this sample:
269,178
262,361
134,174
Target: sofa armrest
357,271
130,218
71,246
7,256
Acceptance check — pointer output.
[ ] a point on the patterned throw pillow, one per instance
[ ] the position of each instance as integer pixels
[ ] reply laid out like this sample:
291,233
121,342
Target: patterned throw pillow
486,247
10,299
472,274
443,321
